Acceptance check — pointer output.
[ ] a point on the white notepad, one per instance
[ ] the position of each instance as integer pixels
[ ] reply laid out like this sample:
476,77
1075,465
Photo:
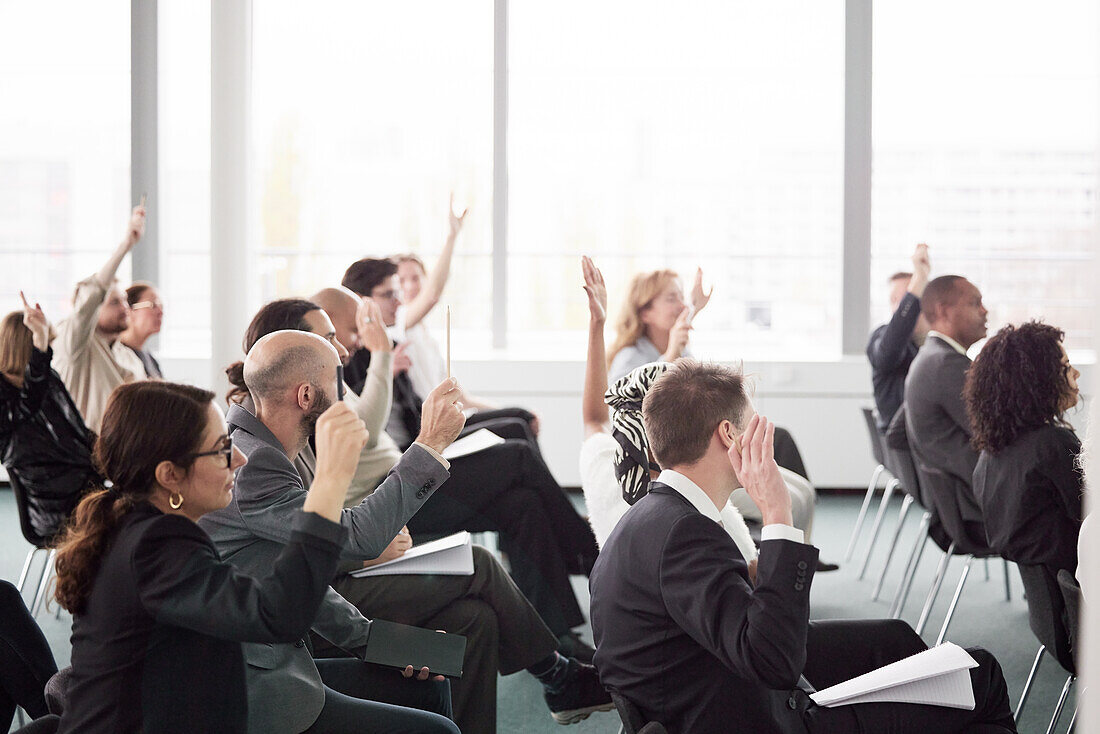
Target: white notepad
450,556
938,676
477,441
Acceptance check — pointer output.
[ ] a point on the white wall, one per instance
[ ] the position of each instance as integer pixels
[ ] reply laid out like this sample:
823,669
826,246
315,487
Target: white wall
819,402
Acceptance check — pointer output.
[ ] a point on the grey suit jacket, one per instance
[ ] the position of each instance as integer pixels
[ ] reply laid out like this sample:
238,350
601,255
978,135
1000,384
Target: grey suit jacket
285,693
936,419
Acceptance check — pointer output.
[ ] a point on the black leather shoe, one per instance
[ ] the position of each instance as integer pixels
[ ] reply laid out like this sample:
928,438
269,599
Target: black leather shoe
580,696
572,646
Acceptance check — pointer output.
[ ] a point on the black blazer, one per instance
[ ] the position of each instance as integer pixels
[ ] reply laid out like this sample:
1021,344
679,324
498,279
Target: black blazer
936,420
158,647
890,351
1030,494
681,632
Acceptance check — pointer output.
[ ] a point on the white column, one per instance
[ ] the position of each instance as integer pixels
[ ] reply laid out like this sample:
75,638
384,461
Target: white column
144,108
500,173
230,92
856,281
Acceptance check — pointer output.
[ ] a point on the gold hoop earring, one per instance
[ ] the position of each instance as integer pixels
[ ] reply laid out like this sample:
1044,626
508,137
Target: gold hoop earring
173,503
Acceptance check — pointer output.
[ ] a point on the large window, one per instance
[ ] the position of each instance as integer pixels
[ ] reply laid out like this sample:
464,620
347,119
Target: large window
985,147
653,135
64,146
362,126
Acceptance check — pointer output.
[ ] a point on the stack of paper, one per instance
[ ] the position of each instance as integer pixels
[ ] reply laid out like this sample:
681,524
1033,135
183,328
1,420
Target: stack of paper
938,676
470,444
450,556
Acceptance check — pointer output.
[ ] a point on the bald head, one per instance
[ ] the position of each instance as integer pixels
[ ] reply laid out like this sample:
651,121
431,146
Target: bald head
282,361
341,304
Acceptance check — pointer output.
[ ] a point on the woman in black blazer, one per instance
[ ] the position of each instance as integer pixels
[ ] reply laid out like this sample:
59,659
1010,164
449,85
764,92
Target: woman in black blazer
1027,479
158,617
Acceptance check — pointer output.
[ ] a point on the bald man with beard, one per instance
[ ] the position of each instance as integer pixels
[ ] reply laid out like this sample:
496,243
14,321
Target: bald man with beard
291,376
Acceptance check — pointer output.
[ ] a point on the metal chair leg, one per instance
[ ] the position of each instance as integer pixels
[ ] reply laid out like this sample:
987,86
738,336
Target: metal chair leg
1008,584
1027,684
911,567
863,510
40,595
933,592
27,568
877,525
1061,704
986,560
955,600
1072,722
893,546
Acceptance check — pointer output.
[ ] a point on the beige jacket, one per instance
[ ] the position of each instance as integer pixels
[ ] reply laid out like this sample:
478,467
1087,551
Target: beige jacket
83,357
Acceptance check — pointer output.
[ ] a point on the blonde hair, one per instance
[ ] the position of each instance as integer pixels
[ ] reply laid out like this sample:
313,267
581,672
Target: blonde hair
15,344
644,287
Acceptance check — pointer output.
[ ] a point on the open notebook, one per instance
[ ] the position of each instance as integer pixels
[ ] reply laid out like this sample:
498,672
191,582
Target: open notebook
450,556
479,440
938,676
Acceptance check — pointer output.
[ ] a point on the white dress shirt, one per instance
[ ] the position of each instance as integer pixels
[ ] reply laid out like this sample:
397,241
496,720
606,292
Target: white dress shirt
949,341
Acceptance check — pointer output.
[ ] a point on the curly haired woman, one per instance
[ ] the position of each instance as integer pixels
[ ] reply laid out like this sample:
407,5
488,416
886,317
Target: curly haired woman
1027,479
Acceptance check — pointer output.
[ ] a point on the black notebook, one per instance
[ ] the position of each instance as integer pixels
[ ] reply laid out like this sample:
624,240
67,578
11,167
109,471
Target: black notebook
400,645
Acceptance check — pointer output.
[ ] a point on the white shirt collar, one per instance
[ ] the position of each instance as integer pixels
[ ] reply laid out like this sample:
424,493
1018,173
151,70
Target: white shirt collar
949,341
692,493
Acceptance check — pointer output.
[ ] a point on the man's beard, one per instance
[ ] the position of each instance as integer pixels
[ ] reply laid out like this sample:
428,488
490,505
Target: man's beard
309,420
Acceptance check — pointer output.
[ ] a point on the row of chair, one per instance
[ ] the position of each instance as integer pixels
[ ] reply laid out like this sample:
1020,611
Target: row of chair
1052,602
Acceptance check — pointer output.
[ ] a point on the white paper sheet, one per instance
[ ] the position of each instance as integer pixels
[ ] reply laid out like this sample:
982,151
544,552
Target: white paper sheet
450,556
477,441
937,676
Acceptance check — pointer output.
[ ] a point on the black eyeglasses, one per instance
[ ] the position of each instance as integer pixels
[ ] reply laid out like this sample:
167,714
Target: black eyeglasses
226,451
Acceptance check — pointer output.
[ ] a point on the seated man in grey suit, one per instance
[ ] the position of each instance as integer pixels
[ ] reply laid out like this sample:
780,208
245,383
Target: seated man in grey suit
680,629
287,691
503,630
935,413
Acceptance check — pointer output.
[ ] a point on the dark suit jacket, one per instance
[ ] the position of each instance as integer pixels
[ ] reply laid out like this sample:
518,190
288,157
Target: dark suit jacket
158,646
285,691
1031,498
890,351
936,419
681,632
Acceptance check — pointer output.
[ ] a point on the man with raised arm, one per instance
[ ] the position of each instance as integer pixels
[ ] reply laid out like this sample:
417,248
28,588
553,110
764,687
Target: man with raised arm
683,633
893,345
82,349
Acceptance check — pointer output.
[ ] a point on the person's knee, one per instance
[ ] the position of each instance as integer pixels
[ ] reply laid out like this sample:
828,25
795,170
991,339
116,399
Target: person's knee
899,635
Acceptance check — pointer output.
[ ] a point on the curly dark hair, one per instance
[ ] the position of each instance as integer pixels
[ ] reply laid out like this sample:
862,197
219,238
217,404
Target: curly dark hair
1017,384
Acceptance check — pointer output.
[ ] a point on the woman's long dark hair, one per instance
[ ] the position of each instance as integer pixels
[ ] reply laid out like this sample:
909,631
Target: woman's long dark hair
145,423
1016,384
285,313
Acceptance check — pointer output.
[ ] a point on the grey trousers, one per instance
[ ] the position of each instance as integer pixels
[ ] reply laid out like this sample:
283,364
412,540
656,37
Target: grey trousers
504,632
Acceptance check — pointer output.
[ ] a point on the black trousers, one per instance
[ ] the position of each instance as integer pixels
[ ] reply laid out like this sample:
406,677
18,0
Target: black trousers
26,663
509,489
504,634
842,649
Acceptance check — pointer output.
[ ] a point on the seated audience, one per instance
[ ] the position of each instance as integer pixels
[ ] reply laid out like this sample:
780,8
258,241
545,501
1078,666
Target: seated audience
84,355
291,377
936,422
615,460
158,617
44,443
146,314
1027,479
504,633
683,633
893,345
505,488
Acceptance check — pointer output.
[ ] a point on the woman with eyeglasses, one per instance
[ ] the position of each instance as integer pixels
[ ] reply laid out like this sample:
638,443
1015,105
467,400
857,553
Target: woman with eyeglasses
1027,480
158,618
146,314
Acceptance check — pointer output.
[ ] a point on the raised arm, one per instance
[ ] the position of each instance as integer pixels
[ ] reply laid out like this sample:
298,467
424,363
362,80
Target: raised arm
594,412
429,295
135,229
373,405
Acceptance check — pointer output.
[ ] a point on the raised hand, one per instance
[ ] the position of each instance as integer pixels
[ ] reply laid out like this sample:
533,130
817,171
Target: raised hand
456,220
752,456
699,298
596,290
922,268
371,328
135,228
35,320
441,419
